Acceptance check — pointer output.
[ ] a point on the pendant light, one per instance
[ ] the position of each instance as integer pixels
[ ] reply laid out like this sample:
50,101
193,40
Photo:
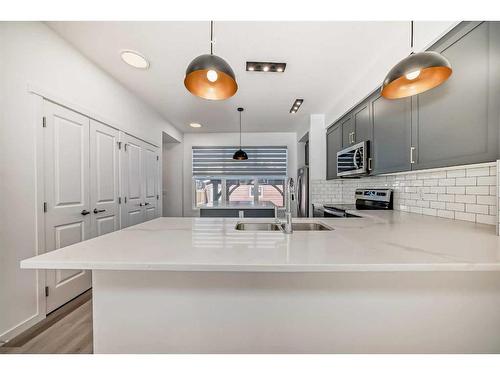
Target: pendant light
240,154
416,73
210,76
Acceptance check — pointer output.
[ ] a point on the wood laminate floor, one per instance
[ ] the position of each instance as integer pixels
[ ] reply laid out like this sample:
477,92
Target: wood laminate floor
66,333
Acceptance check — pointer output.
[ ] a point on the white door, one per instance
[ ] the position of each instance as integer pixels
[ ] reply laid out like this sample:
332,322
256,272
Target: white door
67,217
104,179
140,181
132,176
151,184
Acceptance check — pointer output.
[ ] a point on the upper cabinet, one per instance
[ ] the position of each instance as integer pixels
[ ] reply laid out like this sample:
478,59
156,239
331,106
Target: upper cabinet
347,125
453,124
391,143
362,123
333,145
457,122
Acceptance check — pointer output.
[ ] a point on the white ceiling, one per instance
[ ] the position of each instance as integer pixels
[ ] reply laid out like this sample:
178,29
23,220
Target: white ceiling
324,60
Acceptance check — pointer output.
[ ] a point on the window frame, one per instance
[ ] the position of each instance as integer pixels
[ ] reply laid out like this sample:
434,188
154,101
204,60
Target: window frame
223,182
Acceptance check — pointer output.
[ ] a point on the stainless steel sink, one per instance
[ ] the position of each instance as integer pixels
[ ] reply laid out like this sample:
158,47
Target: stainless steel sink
315,226
310,226
258,226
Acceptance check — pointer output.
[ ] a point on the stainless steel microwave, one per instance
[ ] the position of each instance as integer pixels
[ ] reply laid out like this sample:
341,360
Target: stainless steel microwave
353,161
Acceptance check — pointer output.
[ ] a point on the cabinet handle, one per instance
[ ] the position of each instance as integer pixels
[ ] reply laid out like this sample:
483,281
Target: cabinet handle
353,140
96,211
369,164
412,161
85,212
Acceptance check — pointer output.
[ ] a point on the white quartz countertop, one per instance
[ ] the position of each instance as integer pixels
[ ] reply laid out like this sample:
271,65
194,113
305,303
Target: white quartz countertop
379,241
239,206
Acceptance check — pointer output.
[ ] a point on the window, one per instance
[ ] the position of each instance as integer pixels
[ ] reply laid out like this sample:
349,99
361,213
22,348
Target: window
208,191
218,178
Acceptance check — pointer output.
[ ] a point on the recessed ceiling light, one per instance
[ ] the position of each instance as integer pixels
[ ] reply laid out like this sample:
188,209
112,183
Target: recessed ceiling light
195,125
134,59
296,105
260,66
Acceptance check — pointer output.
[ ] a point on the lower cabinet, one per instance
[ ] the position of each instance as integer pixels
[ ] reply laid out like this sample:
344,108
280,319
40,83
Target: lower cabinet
230,212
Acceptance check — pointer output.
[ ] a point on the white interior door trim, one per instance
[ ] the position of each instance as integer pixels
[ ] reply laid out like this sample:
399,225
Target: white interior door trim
47,94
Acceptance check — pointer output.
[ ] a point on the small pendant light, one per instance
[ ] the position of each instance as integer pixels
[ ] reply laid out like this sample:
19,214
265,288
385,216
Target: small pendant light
210,76
240,154
416,73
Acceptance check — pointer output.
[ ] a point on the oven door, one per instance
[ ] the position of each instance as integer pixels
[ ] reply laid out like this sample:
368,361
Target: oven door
352,161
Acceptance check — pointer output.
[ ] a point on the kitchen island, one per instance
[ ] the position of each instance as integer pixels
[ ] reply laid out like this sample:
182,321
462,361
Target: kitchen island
238,209
388,282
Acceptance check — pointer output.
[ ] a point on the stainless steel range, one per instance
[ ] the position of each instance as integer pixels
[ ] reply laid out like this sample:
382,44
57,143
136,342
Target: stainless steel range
366,199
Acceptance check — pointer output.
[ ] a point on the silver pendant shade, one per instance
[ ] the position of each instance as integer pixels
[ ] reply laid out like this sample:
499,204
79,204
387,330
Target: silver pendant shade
240,154
210,76
415,74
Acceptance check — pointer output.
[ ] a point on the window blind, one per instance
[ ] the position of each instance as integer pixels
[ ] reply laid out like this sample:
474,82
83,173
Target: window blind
269,161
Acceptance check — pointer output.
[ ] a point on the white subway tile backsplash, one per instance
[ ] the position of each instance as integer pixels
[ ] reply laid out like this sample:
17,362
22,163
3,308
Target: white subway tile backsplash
446,214
490,180
455,173
477,208
438,205
455,190
477,190
455,206
447,182
463,193
466,181
446,198
465,198
467,216
485,171
486,199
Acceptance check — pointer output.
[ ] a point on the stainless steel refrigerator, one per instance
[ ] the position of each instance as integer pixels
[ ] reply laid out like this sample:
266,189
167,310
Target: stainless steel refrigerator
303,192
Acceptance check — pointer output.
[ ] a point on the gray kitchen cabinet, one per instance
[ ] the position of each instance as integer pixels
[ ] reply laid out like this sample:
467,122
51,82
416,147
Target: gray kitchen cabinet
457,122
347,125
362,122
391,142
333,145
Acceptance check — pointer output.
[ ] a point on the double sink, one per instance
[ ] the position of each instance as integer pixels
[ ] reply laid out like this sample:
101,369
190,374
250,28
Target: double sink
313,226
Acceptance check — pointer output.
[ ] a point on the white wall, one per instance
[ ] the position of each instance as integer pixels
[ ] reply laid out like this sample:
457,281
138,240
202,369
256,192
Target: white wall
32,54
172,172
317,148
232,139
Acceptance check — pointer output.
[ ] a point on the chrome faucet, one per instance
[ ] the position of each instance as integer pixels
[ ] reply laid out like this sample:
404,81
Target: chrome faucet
289,197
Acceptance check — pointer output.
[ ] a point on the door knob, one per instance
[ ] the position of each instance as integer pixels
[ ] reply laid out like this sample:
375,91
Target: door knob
146,203
96,211
85,212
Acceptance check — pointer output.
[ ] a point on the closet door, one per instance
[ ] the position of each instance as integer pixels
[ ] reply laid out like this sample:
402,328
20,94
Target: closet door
150,181
67,201
140,181
104,179
132,176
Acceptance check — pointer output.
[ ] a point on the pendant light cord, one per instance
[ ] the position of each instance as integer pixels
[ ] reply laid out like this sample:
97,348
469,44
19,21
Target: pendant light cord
240,130
411,36
211,37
